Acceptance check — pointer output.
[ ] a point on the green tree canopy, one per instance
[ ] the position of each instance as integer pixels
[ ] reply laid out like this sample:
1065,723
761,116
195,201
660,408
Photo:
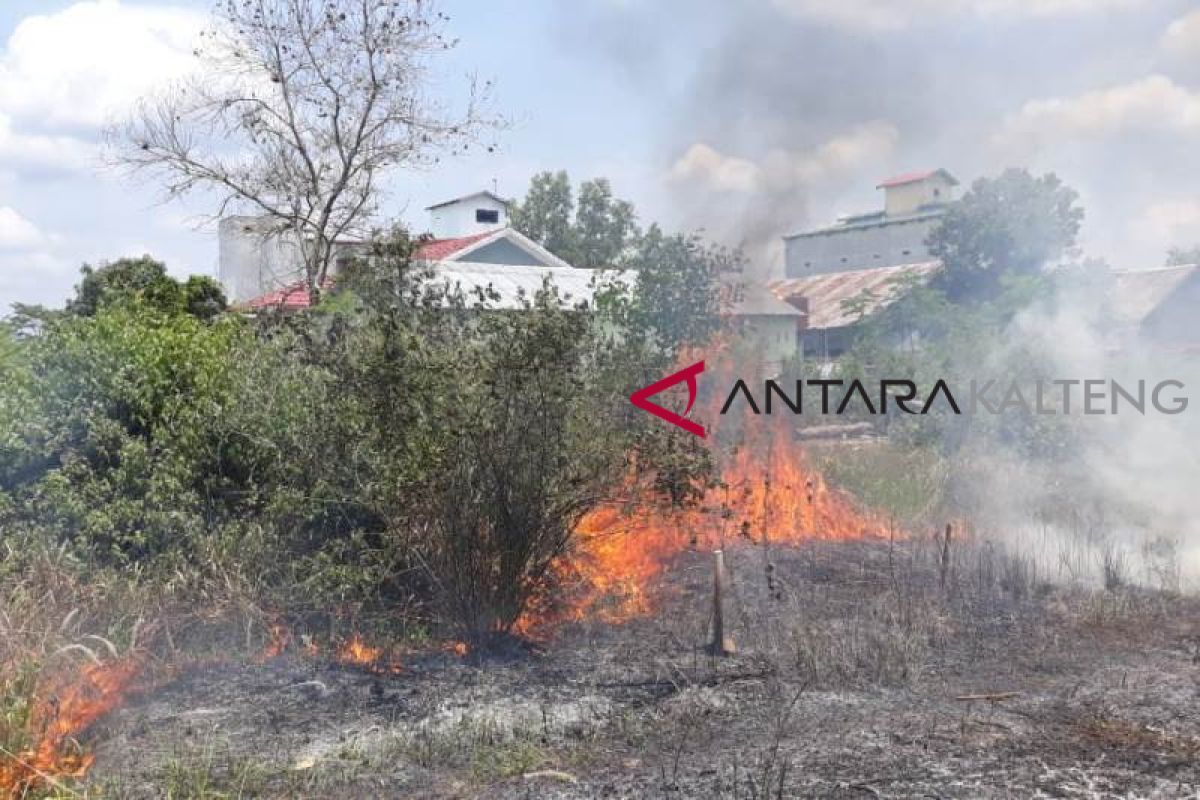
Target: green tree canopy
1004,228
1182,256
146,279
599,231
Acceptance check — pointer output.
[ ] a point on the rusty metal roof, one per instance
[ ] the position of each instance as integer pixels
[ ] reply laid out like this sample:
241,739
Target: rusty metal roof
1136,293
827,294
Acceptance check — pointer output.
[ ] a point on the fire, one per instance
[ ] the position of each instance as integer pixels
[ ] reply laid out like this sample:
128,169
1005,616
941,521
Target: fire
281,637
767,495
63,710
357,652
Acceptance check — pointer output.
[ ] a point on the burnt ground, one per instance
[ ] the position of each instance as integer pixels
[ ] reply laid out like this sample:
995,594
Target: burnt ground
851,661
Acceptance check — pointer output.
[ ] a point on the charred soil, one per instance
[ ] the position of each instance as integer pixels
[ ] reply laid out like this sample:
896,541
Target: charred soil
858,673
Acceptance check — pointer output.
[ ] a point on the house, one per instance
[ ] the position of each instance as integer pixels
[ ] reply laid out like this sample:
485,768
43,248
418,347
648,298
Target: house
913,205
770,325
261,268
1156,307
832,303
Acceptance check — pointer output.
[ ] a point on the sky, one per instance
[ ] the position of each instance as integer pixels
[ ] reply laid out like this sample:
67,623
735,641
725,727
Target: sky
744,120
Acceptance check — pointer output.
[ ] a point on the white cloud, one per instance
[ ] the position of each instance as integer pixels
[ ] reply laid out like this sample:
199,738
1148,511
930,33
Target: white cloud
865,144
74,69
721,172
1182,38
1152,104
18,233
891,15
42,154
1171,223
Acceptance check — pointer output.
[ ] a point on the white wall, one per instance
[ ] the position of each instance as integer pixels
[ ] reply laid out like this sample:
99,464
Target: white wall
853,248
457,219
254,261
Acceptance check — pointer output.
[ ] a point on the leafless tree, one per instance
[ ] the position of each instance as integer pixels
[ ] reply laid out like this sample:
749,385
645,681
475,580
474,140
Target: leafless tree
298,110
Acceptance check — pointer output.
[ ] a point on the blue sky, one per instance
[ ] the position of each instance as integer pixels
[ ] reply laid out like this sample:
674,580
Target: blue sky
745,119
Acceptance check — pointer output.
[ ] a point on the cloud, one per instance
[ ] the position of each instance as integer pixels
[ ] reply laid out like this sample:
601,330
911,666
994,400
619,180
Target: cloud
1171,223
724,173
72,70
870,143
1182,39
751,203
42,155
18,233
1152,104
893,15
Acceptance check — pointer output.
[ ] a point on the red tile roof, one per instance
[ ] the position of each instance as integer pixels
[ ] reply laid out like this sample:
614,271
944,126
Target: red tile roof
295,296
289,298
913,177
441,249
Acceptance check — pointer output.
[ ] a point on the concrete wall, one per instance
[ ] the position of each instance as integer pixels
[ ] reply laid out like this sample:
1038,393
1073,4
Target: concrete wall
908,198
867,247
457,219
253,261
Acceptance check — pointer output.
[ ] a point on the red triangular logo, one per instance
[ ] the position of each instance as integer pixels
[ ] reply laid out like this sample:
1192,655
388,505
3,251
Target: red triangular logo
641,398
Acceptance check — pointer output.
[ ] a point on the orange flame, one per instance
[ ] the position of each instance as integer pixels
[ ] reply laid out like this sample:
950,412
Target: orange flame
281,637
357,652
767,494
63,710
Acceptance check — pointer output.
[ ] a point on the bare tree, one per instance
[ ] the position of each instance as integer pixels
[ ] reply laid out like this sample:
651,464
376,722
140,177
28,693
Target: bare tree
297,112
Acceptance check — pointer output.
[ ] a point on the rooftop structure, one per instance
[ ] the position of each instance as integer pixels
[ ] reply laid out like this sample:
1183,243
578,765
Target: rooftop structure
894,235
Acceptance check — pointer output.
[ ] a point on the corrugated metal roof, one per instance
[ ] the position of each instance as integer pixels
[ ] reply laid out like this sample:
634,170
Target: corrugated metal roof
826,295
513,285
1136,293
516,284
873,219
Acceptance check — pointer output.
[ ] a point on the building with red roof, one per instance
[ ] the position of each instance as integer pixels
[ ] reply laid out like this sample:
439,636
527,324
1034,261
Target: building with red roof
261,268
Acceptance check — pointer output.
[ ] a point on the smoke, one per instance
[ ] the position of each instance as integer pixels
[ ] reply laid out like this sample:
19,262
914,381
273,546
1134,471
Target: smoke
752,204
774,116
1121,498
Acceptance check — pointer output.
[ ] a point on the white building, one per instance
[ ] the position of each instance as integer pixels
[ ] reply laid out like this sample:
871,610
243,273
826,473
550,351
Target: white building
261,268
913,205
468,215
258,258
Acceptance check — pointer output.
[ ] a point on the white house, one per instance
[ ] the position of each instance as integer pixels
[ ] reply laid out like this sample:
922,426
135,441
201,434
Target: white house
261,268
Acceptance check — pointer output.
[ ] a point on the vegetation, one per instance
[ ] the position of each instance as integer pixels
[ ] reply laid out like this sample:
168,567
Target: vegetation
1183,256
319,101
597,232
1005,228
398,447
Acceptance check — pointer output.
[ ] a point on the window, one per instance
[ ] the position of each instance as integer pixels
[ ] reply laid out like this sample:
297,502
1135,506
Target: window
487,216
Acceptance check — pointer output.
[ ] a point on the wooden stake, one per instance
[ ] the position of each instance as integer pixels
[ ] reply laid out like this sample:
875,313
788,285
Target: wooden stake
945,566
722,643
